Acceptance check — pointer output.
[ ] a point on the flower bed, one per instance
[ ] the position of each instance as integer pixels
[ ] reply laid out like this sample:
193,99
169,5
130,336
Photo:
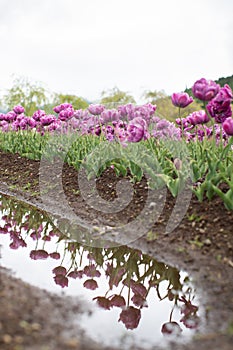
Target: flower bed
132,139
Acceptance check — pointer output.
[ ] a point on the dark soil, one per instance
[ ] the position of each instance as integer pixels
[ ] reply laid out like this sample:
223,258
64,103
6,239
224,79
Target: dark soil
201,244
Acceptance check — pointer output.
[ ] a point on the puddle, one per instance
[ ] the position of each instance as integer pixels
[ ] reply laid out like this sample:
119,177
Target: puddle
134,299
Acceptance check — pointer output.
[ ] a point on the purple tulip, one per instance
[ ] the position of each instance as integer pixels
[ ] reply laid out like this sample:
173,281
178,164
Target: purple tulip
66,114
38,115
136,130
164,129
2,116
47,119
205,90
18,109
10,116
110,115
96,109
198,117
127,110
228,126
220,106
61,107
181,99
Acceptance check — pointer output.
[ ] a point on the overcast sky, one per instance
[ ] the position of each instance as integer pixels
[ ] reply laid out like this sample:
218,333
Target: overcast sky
86,46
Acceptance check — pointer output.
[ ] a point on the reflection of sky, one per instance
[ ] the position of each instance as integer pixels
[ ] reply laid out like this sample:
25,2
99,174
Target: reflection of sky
102,324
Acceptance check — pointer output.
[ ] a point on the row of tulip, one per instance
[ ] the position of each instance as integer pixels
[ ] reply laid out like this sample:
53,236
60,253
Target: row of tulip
206,134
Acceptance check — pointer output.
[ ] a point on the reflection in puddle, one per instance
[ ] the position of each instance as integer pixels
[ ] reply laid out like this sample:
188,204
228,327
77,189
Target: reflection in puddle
139,299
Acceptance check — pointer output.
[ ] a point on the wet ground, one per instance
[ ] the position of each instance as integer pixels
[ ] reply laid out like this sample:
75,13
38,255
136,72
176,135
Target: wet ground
201,244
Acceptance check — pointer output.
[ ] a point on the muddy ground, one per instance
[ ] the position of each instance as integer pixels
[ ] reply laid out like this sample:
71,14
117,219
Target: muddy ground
201,244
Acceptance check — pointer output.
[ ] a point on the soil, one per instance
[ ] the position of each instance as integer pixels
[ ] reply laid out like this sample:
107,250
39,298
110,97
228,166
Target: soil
201,244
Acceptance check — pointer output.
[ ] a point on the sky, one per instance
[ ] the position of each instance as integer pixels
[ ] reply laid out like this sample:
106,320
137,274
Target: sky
84,47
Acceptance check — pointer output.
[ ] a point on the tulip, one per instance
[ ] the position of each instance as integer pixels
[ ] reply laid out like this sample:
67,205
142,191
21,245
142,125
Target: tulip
96,109
18,109
66,114
38,115
228,126
205,90
136,130
61,107
220,106
47,119
198,117
181,99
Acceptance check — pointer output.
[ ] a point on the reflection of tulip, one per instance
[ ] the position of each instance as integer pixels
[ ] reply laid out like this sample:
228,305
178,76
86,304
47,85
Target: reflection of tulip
35,235
61,280
90,284
17,241
75,274
190,321
55,255
103,302
138,288
115,276
118,301
91,271
130,317
59,270
171,328
139,301
181,99
38,254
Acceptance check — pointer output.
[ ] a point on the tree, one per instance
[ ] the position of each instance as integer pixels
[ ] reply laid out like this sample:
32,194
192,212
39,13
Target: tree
77,102
115,97
31,95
